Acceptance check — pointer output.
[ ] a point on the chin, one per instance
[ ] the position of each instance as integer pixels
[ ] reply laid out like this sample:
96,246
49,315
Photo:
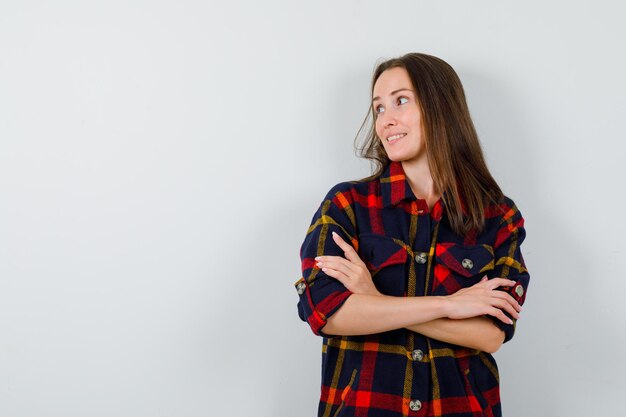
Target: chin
398,157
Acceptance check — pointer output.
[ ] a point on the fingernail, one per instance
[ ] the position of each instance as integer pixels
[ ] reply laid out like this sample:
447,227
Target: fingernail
334,233
319,264
318,257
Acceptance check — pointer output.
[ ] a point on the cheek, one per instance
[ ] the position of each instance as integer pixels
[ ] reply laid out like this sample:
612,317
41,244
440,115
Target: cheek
416,121
379,132
378,126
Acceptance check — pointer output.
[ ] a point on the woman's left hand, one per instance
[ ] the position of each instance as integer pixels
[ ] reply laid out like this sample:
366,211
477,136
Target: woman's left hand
351,271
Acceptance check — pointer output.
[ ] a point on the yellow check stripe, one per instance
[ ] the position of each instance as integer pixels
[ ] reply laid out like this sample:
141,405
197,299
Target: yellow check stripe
344,344
511,262
345,206
393,178
490,366
487,267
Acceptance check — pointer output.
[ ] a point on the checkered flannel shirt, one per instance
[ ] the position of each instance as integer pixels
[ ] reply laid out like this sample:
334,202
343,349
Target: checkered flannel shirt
410,251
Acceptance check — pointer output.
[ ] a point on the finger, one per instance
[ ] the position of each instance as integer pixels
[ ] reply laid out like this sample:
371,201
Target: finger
327,258
508,308
497,313
353,271
510,300
334,260
348,250
338,275
485,278
501,282
340,264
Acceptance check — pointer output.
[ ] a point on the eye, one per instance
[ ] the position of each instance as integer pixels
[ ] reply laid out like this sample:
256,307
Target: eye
403,100
379,109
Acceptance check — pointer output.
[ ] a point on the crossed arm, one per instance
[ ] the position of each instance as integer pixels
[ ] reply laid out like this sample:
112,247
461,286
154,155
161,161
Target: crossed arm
458,318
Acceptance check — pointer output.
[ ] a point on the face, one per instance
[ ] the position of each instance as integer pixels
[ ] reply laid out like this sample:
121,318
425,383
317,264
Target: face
398,116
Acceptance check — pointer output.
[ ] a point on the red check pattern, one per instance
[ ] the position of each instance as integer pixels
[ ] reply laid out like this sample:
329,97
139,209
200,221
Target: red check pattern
410,251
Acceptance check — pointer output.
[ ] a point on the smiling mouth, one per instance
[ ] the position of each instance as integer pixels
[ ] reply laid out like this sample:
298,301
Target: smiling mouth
393,138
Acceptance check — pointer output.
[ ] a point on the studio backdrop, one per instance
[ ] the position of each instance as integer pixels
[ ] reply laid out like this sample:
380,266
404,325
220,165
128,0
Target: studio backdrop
160,162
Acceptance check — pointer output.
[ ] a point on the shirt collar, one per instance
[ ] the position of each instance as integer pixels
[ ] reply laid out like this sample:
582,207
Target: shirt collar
395,188
394,185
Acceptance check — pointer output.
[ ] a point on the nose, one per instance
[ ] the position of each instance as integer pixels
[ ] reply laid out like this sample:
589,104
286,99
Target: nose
388,118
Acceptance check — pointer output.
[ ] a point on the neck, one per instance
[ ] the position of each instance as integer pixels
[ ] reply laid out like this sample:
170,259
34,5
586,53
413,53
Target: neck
421,181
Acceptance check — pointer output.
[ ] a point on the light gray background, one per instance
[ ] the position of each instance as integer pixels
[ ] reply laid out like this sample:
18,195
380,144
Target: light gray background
160,162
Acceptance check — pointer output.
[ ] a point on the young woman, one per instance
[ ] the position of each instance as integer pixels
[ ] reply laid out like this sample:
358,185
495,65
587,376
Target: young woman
414,275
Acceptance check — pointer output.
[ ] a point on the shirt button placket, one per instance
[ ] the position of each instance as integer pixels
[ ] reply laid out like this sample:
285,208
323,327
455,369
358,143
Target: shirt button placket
415,405
417,355
421,257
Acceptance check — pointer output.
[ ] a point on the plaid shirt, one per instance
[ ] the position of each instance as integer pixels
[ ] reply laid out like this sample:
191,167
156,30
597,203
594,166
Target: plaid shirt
410,251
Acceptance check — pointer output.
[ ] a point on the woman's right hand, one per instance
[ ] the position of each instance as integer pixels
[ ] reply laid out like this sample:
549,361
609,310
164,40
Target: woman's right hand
351,271
484,298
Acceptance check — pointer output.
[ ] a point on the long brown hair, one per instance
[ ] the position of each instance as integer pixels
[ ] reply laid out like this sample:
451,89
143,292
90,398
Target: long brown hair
454,154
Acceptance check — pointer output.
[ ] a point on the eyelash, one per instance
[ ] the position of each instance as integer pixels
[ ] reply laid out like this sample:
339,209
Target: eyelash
399,98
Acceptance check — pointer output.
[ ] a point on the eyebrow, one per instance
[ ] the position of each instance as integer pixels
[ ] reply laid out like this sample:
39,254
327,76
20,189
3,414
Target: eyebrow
392,93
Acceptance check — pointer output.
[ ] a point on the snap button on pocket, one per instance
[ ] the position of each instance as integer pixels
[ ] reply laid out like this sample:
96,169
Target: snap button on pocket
465,260
459,266
467,263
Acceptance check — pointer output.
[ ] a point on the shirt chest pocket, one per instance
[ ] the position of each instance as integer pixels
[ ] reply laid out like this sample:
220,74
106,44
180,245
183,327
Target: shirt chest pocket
386,259
460,266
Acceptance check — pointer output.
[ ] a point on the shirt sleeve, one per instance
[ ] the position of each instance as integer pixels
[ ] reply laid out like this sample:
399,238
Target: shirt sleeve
509,262
321,295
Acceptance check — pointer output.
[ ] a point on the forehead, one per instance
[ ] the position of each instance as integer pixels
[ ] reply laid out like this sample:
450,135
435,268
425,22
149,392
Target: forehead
390,80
